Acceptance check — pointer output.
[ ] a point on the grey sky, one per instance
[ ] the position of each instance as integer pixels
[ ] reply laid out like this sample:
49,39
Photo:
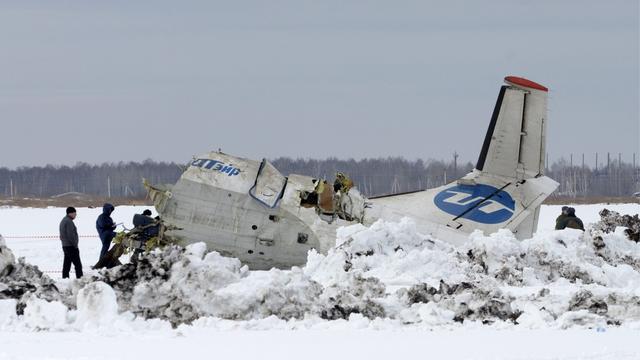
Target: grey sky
103,81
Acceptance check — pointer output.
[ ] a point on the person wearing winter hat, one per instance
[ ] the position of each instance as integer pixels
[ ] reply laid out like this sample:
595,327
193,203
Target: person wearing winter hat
570,221
69,239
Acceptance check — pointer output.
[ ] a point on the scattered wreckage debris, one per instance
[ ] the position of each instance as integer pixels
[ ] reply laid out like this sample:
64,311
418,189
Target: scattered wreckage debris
136,241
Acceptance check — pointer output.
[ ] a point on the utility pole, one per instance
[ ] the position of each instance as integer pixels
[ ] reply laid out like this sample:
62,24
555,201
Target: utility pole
571,160
455,164
583,177
596,162
619,160
546,163
108,187
634,170
618,173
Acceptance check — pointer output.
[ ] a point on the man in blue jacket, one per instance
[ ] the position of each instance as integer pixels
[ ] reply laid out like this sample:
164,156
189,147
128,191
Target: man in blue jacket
106,227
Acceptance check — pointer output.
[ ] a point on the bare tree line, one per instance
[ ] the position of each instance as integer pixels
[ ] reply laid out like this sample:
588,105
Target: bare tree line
375,176
610,176
123,179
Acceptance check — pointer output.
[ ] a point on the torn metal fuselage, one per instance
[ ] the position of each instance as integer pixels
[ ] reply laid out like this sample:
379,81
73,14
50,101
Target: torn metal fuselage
249,210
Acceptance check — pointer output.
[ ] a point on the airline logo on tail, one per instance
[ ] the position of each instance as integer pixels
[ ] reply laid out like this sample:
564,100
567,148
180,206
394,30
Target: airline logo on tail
480,203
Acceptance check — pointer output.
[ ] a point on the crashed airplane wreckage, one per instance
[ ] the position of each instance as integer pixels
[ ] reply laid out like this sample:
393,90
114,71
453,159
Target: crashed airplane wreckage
249,210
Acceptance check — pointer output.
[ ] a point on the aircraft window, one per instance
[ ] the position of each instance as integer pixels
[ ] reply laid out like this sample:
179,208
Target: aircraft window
250,251
254,227
303,238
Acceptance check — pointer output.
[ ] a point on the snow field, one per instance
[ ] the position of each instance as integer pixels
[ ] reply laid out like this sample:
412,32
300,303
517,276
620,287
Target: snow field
499,297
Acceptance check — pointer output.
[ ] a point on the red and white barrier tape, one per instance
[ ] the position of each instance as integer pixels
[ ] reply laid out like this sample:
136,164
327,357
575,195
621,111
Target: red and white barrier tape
42,236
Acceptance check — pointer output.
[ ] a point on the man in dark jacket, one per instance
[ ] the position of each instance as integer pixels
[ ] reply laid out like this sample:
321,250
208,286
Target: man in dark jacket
571,221
69,238
106,227
148,228
146,223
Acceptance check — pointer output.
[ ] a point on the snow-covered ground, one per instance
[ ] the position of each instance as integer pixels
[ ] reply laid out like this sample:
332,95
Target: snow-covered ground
29,223
385,291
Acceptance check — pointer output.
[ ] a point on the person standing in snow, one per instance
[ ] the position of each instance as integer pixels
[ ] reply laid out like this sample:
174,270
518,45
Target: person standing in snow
106,227
561,218
69,238
571,221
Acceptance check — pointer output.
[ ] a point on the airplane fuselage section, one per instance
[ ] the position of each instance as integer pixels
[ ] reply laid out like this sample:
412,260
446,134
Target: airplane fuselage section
249,210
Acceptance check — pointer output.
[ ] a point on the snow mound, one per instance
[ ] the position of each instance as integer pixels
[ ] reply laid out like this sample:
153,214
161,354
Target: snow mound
6,258
23,282
40,314
610,220
384,274
181,285
96,304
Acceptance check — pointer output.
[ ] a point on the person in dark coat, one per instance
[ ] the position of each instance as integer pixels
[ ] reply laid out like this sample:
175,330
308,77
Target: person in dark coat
560,220
146,223
106,227
147,228
69,239
571,221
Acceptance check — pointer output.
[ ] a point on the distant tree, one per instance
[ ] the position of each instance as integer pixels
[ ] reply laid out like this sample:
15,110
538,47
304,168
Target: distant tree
373,176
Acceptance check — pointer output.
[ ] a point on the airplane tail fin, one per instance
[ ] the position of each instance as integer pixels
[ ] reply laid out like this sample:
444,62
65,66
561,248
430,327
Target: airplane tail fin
514,145
514,149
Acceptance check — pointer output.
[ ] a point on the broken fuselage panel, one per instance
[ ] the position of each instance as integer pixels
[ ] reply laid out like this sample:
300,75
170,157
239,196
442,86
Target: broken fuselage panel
249,210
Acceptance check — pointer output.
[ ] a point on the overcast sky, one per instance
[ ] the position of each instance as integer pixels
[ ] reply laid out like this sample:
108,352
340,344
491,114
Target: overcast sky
99,81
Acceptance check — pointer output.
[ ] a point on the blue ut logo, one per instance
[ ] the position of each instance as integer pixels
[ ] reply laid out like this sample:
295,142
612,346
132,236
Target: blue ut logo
217,166
464,200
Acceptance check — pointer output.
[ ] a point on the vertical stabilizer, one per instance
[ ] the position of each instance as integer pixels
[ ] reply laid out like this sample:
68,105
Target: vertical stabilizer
514,145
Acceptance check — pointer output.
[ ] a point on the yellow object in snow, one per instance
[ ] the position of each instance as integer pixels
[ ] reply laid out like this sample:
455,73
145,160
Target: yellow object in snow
343,183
